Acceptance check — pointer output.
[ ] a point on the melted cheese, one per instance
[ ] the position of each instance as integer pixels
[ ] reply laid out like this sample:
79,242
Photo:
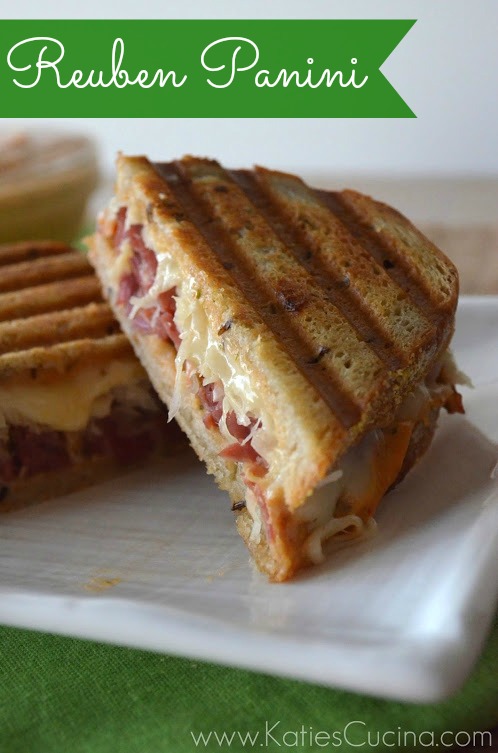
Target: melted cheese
364,475
69,403
207,353
354,525
451,372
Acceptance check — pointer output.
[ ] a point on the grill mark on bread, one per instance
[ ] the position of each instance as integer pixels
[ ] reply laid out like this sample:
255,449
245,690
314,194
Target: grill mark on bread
95,320
53,324
57,267
12,253
277,315
63,357
53,296
394,263
336,286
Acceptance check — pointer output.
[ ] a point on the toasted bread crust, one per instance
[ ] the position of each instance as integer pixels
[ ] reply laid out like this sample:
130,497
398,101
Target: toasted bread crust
423,263
94,320
57,268
60,359
44,329
51,296
13,253
49,333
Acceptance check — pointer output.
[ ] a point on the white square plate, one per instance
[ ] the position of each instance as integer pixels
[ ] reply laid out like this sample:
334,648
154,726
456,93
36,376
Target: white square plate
153,560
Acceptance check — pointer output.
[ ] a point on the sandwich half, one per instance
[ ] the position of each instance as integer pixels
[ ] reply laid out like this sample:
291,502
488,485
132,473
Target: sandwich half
76,406
299,337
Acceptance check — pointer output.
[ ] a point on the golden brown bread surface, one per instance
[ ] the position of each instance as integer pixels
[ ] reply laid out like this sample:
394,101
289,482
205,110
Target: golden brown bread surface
58,267
334,304
94,320
43,325
51,296
13,253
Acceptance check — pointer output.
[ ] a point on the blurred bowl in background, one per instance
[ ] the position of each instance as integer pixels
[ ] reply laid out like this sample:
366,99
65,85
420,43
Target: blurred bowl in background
46,180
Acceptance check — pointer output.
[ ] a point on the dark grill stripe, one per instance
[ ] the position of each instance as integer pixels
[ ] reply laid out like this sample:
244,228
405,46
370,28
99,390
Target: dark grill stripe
274,314
55,268
338,294
12,253
372,243
44,330
53,296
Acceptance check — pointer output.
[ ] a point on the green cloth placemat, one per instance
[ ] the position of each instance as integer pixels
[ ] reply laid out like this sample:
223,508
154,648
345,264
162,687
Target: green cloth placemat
63,695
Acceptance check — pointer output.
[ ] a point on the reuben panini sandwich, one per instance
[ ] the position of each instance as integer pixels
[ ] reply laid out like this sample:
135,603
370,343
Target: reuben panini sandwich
299,337
75,404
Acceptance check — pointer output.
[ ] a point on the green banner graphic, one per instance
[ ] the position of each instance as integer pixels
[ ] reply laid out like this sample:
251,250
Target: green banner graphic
252,69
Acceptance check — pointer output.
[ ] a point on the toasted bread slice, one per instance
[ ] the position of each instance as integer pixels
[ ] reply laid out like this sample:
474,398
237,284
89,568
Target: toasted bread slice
95,320
13,253
286,328
75,404
52,296
55,268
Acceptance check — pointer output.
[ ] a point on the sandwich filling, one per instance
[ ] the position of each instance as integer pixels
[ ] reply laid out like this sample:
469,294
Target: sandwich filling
162,302
41,434
159,302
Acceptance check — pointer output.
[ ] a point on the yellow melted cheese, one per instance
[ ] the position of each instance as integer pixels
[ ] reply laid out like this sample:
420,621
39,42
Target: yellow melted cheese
69,403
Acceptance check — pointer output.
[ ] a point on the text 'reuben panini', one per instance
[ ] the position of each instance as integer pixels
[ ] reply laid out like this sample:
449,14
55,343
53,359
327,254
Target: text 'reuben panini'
38,58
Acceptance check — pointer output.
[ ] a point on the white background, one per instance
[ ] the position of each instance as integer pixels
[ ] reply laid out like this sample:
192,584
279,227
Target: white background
446,70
